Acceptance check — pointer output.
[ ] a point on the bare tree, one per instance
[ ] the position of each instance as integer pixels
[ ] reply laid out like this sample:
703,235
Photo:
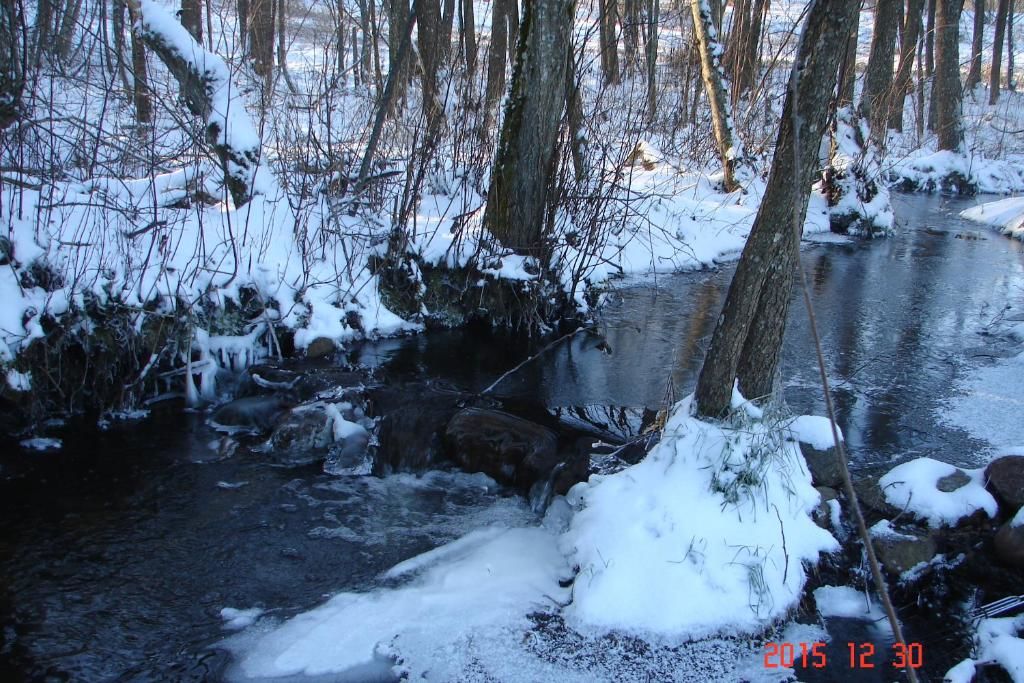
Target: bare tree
1002,10
12,66
431,46
608,40
653,17
262,29
192,18
1011,85
747,340
947,93
502,40
977,42
912,21
878,77
140,73
714,84
848,67
467,35
519,198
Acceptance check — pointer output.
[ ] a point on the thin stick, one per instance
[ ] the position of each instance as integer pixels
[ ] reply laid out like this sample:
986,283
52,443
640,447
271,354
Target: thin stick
534,357
858,516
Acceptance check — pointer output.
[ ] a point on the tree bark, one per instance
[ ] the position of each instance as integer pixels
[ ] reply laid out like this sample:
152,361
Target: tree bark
608,41
929,41
995,79
904,82
261,35
12,71
946,92
192,18
431,43
878,77
140,75
977,43
746,342
468,35
653,16
848,68
519,197
1010,84
714,85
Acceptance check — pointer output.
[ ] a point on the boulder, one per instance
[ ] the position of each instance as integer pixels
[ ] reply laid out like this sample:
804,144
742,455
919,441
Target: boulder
1009,545
253,414
903,550
503,446
1005,479
952,482
321,347
825,467
872,499
314,432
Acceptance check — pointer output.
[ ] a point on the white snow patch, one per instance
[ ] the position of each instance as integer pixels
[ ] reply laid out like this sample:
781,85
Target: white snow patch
815,431
689,542
990,404
19,381
40,443
995,642
236,619
1006,214
491,580
848,602
913,486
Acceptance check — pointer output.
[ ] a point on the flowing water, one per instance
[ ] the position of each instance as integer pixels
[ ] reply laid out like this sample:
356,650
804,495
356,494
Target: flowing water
118,552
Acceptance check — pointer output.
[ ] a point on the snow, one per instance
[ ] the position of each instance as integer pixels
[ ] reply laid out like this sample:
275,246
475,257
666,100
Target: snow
42,444
1018,519
815,431
1005,214
996,641
912,486
490,580
236,619
846,601
707,535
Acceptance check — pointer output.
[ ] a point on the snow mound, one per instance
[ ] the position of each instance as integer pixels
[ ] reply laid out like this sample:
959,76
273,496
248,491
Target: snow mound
235,619
488,580
1006,214
944,169
815,431
846,601
996,641
913,486
707,535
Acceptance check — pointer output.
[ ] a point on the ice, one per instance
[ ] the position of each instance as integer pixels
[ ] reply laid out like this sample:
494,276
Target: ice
815,431
989,404
42,444
489,582
912,486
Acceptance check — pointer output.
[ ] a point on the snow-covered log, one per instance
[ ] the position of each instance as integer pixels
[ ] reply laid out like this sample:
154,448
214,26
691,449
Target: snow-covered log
205,82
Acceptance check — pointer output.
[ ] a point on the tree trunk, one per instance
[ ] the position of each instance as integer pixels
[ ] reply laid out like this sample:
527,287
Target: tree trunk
608,41
878,82
140,75
714,85
192,18
398,14
518,200
1010,84
468,35
994,79
631,33
746,342
497,53
929,42
261,36
977,43
848,68
946,92
12,71
653,16
242,10
430,39
908,46
66,34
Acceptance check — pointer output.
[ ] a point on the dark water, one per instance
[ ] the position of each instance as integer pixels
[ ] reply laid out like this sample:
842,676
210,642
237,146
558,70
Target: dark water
117,553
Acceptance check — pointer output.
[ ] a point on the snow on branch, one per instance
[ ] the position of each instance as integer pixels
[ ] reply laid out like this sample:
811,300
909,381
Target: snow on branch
205,82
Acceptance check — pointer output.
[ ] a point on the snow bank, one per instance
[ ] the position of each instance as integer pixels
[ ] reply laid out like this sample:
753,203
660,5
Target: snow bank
707,535
815,431
1005,214
931,171
913,486
995,642
847,601
489,580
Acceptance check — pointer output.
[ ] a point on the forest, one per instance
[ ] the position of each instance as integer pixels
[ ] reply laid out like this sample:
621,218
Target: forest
349,252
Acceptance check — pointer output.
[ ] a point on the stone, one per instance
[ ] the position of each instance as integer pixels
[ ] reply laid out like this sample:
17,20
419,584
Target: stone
1009,545
1005,479
872,499
952,482
253,414
508,448
6,251
826,470
899,552
827,493
321,347
302,437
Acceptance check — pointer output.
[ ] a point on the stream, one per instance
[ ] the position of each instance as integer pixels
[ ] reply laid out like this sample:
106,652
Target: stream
118,552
